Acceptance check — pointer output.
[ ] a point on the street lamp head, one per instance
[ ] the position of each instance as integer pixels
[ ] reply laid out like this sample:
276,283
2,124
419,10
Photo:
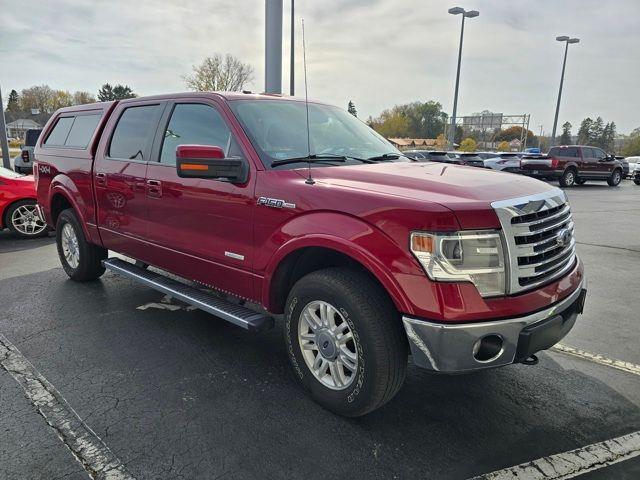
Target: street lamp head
574,40
471,14
456,10
563,38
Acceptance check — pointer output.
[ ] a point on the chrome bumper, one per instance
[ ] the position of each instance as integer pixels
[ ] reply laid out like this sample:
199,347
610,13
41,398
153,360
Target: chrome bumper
450,348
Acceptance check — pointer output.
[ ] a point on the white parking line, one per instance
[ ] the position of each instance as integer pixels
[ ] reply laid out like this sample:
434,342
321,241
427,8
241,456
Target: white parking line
571,464
597,358
84,444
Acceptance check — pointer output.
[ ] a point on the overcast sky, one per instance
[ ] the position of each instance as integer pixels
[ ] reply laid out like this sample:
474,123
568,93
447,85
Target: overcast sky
375,52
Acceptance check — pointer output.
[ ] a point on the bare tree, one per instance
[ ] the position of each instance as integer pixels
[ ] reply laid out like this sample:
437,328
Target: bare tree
219,73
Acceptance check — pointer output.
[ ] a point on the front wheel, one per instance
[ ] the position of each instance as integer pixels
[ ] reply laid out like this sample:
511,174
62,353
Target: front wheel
345,341
636,181
615,178
24,221
81,260
580,181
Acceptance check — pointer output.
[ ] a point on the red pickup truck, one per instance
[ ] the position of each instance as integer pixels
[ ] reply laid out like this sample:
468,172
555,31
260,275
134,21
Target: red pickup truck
364,254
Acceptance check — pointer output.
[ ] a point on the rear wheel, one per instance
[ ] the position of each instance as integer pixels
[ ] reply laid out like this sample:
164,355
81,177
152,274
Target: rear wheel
81,260
636,181
345,341
23,220
568,178
615,178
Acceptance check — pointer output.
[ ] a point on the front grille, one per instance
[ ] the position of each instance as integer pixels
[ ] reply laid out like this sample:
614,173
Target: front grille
538,232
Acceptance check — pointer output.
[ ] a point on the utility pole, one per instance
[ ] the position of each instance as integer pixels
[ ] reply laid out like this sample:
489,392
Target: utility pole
540,138
6,161
292,65
273,46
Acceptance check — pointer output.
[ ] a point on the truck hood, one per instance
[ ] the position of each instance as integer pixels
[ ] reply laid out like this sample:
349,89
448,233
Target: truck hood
467,191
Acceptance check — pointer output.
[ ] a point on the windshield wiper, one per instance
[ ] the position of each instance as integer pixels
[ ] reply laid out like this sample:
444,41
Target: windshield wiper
313,158
384,156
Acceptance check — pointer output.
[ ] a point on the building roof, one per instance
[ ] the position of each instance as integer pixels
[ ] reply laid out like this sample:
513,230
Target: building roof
23,123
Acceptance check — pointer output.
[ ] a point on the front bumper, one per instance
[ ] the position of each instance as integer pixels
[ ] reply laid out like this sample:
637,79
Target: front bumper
450,348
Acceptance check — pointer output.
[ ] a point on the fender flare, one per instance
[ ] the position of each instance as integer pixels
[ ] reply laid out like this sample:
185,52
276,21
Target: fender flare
63,185
364,256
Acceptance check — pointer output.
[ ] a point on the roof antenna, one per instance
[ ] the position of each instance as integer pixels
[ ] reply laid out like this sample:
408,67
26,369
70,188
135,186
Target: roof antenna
309,180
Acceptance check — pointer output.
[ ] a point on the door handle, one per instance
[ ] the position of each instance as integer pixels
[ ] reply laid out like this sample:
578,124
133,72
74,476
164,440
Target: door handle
154,188
101,179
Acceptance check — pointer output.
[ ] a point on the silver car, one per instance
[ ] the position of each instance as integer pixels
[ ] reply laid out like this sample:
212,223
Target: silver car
23,163
504,161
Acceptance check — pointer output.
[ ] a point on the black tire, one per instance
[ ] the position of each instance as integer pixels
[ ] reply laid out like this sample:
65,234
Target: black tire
89,265
15,228
580,181
378,339
636,181
615,178
568,178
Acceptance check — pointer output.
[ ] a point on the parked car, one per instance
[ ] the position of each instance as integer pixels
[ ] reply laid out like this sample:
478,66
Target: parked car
633,164
18,210
24,162
486,155
471,159
504,161
574,165
417,155
312,215
443,157
626,169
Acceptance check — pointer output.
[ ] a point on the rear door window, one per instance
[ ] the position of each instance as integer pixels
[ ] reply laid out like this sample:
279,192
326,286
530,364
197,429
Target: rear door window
31,138
564,152
60,131
82,130
134,132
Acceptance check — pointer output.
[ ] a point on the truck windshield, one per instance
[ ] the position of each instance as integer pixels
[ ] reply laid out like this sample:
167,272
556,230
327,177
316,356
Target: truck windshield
277,129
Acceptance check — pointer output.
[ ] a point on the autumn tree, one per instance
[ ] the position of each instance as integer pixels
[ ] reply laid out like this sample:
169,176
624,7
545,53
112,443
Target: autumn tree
219,73
82,98
504,146
514,133
468,145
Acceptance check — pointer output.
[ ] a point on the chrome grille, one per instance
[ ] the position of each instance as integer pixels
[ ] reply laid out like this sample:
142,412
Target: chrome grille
538,233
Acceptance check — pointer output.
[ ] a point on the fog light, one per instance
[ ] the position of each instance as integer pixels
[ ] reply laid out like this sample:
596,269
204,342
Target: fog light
487,348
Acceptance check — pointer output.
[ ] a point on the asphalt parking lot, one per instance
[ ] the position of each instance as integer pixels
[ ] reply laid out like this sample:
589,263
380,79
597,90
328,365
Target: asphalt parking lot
174,393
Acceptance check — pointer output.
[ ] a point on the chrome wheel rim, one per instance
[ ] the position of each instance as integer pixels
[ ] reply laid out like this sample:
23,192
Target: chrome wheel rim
26,220
570,179
616,177
327,345
70,248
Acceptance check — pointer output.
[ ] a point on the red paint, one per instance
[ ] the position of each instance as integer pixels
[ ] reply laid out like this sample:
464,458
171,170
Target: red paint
189,226
13,190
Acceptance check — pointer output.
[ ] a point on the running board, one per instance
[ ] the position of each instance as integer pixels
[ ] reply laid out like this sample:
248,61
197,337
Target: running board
236,314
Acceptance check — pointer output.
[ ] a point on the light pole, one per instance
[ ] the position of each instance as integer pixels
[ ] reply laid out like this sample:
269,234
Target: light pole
292,59
465,14
567,41
273,46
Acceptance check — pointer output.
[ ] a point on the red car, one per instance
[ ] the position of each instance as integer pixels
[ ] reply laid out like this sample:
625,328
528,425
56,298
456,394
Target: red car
303,210
18,210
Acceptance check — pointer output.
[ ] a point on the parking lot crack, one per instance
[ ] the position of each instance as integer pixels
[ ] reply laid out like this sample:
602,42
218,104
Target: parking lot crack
83,443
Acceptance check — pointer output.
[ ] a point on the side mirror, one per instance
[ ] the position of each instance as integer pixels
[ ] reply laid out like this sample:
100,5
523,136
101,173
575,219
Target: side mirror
208,161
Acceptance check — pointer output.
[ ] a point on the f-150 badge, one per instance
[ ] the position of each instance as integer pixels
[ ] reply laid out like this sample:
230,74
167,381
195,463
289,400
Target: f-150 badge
275,203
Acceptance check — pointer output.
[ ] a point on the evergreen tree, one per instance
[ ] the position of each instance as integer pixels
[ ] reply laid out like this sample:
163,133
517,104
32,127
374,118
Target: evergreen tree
351,108
565,138
597,133
585,132
109,93
12,102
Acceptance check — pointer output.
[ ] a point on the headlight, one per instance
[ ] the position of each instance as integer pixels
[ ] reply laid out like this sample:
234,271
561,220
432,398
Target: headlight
473,256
